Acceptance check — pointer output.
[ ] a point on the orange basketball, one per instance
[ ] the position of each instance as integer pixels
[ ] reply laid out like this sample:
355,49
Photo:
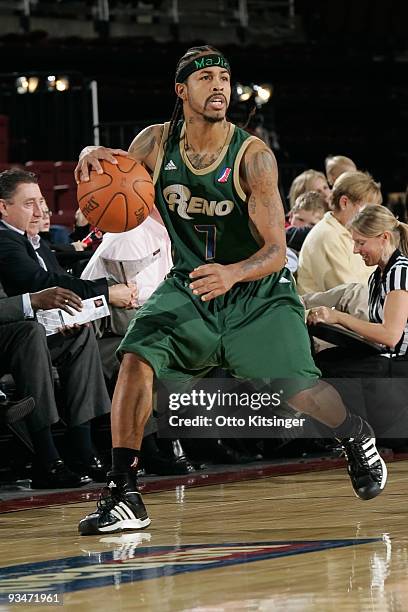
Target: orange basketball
119,199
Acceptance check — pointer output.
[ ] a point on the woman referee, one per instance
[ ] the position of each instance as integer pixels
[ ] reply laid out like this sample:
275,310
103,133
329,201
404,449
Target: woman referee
381,240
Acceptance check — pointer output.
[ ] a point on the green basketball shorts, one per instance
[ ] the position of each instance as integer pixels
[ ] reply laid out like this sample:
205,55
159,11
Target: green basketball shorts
254,331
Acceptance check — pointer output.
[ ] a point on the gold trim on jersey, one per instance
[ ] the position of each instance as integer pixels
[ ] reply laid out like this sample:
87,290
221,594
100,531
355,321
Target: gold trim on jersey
216,163
160,154
237,164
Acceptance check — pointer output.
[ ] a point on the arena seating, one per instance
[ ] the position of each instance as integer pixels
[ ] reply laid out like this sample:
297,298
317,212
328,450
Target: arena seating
64,193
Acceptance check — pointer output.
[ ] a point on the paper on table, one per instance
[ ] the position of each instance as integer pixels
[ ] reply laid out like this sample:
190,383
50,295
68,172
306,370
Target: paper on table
124,270
92,309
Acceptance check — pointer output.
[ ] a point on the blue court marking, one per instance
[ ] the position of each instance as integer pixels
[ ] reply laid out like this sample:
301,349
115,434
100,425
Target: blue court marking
129,563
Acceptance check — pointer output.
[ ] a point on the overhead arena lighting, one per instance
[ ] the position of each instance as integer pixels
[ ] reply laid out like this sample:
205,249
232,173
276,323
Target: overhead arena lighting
244,92
62,83
57,83
51,80
26,85
263,93
22,85
33,82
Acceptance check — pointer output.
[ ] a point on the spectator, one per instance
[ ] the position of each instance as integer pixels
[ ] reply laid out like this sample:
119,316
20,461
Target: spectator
82,227
335,166
26,265
84,233
326,258
44,233
309,180
308,210
25,353
132,245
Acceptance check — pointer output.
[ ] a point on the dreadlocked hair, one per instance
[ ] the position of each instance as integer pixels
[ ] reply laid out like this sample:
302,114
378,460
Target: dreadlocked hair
183,61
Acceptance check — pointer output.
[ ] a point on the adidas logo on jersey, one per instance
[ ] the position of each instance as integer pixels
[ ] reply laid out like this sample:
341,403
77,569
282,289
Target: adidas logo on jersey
170,166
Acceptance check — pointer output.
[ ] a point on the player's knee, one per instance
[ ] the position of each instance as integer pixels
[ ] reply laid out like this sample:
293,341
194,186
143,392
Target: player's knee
135,365
303,401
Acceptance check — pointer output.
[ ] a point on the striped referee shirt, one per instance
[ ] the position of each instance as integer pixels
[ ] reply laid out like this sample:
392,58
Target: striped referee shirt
380,284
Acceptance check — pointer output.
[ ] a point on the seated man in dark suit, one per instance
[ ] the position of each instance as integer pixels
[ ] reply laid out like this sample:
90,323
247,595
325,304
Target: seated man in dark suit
24,353
24,269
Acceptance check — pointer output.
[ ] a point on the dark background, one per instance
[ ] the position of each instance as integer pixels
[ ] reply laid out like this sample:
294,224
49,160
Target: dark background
340,86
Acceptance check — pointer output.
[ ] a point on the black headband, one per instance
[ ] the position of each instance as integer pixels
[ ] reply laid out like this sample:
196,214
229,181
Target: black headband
199,63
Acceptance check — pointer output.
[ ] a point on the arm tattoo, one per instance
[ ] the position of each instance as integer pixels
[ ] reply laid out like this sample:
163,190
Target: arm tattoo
260,164
252,204
260,258
144,143
261,176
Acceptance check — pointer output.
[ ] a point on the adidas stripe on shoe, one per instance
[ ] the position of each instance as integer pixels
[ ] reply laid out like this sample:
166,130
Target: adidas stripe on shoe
365,466
119,509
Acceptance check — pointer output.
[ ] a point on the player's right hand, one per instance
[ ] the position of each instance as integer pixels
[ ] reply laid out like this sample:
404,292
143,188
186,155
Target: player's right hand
90,157
56,297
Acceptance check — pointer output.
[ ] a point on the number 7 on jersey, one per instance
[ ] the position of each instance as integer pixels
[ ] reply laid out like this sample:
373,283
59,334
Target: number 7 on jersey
210,232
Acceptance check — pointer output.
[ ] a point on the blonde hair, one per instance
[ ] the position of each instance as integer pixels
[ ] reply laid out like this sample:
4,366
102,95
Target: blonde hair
337,164
302,183
357,186
312,201
374,220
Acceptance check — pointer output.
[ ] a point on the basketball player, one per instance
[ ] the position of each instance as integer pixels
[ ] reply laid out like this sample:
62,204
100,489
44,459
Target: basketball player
229,301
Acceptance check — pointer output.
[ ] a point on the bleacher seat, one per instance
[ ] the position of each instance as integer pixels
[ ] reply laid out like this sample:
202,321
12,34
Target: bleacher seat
65,193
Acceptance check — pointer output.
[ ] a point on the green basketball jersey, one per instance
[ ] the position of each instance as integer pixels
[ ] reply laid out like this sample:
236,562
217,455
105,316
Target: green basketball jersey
205,211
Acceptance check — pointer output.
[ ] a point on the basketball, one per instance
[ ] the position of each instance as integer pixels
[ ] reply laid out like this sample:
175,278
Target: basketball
118,200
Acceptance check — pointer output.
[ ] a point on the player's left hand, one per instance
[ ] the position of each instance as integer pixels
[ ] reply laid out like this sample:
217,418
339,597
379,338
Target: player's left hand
211,280
322,314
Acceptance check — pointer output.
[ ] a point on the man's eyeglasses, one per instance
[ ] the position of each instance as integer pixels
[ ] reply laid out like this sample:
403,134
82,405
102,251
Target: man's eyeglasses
47,213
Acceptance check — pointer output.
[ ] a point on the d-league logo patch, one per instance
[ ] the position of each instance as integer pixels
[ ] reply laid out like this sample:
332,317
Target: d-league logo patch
223,178
129,563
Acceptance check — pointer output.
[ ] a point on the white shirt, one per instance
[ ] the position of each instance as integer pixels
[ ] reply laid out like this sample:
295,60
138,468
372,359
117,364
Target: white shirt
135,244
35,243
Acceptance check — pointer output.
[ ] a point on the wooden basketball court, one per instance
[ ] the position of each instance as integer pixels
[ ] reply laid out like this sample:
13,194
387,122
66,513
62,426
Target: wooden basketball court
298,543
